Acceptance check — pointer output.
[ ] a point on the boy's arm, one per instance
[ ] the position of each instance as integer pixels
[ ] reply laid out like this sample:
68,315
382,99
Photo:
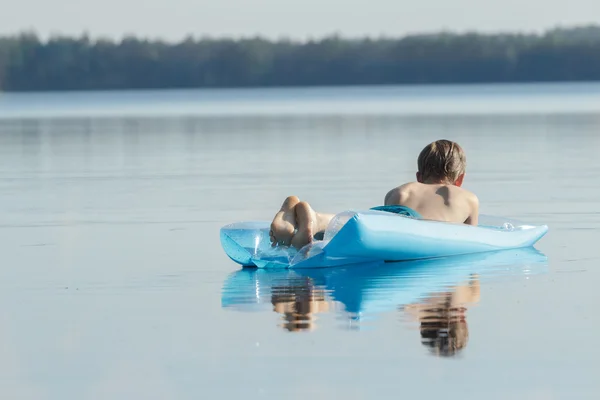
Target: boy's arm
473,218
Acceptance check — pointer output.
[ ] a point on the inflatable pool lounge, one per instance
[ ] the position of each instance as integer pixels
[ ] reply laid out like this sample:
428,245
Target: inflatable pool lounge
364,236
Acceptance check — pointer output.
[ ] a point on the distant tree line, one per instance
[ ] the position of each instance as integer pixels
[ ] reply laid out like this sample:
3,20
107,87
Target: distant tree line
61,63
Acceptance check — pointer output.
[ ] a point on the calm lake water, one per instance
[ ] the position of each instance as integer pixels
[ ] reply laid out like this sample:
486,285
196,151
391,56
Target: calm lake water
114,284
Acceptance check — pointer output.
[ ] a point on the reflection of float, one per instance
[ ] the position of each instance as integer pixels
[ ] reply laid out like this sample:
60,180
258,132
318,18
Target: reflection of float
358,237
377,286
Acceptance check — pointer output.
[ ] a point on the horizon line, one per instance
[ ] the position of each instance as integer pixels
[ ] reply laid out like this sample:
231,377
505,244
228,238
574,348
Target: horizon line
44,38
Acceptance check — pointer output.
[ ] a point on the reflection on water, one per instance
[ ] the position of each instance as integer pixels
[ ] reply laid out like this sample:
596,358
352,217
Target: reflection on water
546,98
298,300
434,293
442,318
125,212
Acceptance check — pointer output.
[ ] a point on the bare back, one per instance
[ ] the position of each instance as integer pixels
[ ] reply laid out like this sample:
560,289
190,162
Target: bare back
439,202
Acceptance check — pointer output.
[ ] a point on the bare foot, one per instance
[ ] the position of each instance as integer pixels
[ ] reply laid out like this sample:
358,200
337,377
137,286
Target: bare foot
284,223
306,220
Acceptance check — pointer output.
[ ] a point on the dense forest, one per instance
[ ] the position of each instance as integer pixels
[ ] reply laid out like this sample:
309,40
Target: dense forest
28,63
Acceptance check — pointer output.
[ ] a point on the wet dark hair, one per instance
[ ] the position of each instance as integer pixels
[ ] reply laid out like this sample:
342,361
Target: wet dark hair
442,160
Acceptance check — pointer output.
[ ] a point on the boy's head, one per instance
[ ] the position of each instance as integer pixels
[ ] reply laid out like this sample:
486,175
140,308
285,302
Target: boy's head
446,337
442,161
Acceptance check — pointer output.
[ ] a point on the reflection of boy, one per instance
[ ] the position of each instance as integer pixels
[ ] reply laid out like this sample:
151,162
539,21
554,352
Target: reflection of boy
297,302
443,320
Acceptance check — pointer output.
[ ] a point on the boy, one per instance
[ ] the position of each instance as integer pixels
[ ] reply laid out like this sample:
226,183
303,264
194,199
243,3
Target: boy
436,195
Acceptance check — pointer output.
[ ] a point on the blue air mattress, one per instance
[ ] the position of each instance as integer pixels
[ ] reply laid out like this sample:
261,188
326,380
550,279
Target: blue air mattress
358,237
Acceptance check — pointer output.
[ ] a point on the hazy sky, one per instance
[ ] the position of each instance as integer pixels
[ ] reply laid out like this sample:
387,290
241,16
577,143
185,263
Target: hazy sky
174,19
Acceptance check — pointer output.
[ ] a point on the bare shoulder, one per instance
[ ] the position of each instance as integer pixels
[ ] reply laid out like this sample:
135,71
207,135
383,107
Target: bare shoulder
473,207
467,196
470,197
399,194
